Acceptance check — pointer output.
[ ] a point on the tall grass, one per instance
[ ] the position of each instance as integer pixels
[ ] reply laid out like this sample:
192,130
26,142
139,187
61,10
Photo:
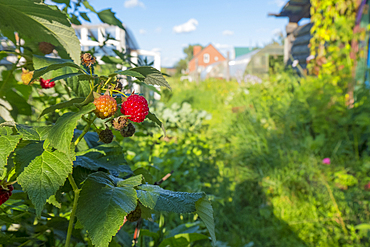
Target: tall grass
272,188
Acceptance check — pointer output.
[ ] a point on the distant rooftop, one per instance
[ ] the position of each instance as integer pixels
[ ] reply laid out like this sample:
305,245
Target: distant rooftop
295,10
239,51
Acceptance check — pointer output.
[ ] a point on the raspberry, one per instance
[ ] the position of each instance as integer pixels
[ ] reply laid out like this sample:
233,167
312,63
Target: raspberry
46,47
87,59
106,135
106,106
119,123
5,193
134,215
136,107
46,83
128,131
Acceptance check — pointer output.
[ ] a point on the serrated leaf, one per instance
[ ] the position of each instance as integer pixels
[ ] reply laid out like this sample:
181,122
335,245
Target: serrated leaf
50,25
102,207
25,153
79,87
154,197
62,105
110,158
205,212
40,72
53,201
131,181
80,76
44,175
60,135
152,76
182,239
152,117
109,17
8,142
129,73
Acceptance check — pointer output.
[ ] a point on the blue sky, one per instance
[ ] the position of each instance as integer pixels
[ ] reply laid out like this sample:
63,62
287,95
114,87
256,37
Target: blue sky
170,25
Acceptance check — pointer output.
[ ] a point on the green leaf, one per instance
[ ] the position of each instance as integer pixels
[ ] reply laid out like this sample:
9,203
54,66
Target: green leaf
50,25
109,157
60,135
80,76
205,212
79,87
152,117
25,153
363,226
107,16
44,175
182,240
152,76
8,142
40,72
102,207
130,73
111,60
148,178
62,105
154,197
131,182
84,16
88,6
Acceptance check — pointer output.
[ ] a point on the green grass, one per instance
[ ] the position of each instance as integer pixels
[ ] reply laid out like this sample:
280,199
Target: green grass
271,187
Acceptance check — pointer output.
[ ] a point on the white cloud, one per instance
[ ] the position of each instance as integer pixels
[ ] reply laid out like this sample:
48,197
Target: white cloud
279,3
158,30
142,31
133,4
189,26
228,33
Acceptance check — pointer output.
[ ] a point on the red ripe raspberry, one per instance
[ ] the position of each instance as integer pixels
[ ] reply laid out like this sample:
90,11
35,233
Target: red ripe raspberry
46,83
5,194
106,106
136,107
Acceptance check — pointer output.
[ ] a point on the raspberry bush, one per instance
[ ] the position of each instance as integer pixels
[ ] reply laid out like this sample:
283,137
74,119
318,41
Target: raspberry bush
64,178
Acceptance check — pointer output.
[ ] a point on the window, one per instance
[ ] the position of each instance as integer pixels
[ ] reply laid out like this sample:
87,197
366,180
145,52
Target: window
111,31
206,58
93,34
216,58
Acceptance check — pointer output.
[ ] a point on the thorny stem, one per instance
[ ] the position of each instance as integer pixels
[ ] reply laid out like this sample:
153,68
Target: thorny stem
76,190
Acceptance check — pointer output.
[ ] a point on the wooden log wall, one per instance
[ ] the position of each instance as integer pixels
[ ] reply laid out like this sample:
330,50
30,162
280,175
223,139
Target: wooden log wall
300,50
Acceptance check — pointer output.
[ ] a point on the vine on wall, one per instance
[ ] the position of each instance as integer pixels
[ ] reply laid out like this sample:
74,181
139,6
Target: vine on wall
332,36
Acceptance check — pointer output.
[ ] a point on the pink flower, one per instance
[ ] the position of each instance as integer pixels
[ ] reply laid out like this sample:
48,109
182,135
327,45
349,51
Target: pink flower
326,161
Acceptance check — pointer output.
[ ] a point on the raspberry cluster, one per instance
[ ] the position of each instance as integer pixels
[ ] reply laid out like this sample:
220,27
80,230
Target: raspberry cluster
5,193
106,106
136,107
46,83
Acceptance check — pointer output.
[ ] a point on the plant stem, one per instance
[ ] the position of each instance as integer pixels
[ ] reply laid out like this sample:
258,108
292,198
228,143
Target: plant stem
76,191
86,129
335,204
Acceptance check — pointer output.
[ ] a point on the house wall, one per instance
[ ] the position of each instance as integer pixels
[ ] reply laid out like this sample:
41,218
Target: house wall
214,56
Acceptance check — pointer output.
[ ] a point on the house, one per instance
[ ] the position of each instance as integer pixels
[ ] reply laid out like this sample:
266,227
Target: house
298,37
204,58
122,40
